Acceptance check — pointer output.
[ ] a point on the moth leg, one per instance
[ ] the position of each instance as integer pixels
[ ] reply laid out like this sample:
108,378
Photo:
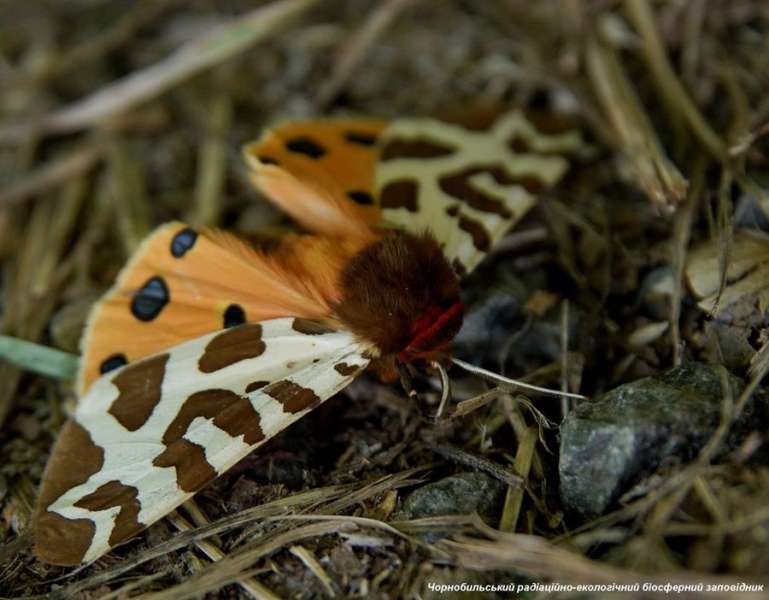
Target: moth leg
445,389
406,379
406,374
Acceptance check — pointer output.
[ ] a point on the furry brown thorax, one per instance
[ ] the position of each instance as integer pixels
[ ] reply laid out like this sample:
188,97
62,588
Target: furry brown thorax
400,293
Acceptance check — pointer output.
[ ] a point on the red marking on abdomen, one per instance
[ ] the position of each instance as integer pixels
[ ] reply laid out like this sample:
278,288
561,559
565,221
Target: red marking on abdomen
433,331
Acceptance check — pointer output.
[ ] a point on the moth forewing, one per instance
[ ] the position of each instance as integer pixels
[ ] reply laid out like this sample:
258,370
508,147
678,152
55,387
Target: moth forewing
468,187
149,435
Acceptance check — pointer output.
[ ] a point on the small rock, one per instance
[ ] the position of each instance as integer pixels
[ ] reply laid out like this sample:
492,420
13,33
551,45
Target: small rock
494,312
345,562
608,444
729,344
750,212
459,494
498,311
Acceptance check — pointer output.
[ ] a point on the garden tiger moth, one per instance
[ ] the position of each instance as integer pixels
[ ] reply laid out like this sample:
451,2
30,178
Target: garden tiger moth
206,346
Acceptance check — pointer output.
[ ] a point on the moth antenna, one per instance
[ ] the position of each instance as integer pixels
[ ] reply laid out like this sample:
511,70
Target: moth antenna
445,388
491,376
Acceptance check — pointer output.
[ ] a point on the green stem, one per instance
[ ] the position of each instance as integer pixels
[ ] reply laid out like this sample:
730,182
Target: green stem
38,358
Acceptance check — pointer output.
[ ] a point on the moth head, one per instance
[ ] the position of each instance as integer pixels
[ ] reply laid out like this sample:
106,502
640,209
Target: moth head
432,334
401,294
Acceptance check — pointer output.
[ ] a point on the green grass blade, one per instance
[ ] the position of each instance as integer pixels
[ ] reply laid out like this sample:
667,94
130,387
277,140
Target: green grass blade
38,358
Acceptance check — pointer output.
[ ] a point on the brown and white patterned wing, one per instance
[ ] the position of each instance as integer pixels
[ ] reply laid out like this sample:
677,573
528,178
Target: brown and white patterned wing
147,436
467,186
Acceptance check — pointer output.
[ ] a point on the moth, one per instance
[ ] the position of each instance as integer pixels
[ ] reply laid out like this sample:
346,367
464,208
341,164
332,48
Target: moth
207,346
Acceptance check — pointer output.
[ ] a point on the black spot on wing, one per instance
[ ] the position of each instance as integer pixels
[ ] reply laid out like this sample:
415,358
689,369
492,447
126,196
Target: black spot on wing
460,186
361,197
419,148
459,268
360,137
234,315
401,193
150,299
518,145
345,369
310,327
256,385
183,241
481,237
306,146
112,362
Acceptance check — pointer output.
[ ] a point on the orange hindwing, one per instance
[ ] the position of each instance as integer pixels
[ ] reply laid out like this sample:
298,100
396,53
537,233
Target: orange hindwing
320,172
182,283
